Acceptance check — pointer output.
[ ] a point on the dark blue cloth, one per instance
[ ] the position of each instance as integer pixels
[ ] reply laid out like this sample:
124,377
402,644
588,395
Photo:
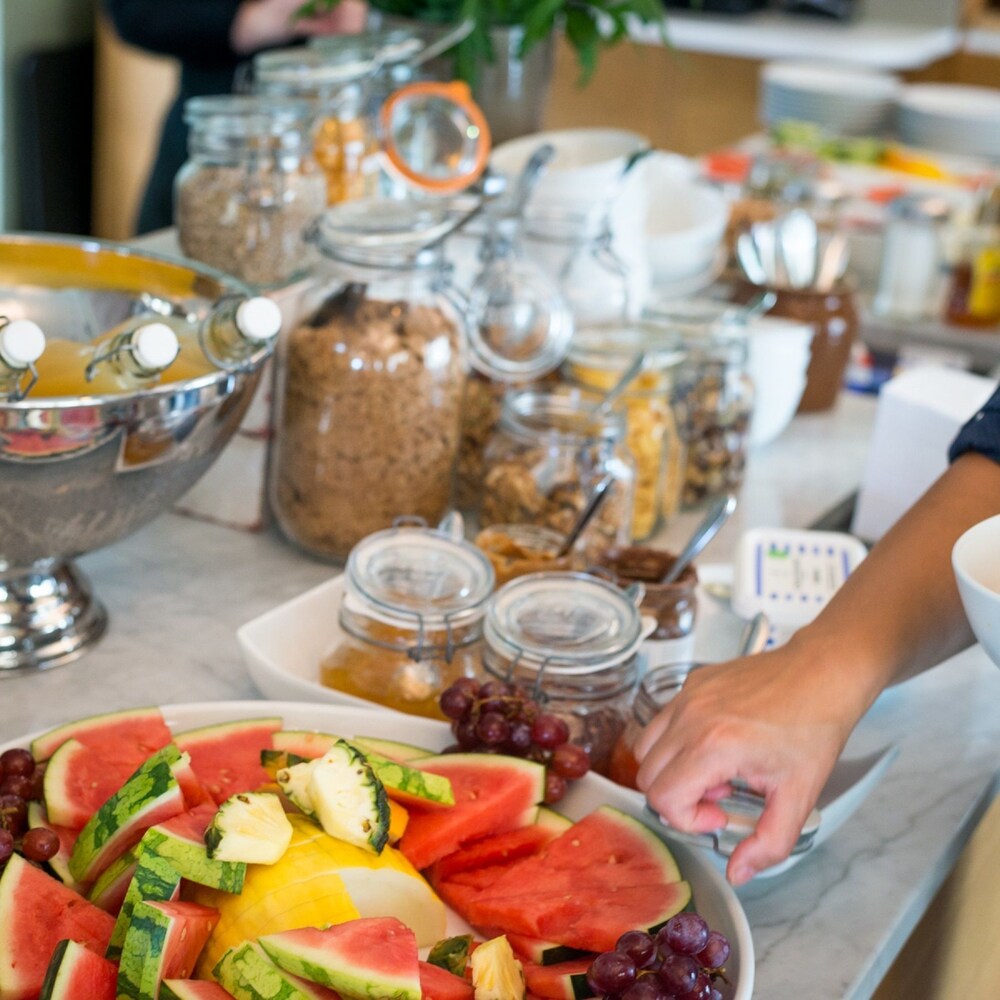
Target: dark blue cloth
981,434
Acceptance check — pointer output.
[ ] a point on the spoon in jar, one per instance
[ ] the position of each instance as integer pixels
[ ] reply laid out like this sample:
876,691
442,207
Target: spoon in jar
592,506
717,515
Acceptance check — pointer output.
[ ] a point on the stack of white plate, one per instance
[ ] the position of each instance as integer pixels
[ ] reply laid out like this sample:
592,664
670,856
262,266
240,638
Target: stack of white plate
845,100
951,117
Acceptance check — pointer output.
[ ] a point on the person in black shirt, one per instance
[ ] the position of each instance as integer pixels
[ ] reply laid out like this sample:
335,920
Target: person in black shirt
780,720
210,38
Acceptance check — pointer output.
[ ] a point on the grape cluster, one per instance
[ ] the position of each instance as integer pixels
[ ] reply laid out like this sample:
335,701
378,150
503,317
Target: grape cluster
497,717
20,783
683,961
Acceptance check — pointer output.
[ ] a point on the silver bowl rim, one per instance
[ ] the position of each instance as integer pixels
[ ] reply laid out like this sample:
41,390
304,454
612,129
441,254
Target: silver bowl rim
167,389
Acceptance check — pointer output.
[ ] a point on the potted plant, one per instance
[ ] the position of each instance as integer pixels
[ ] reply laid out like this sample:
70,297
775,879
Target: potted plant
507,57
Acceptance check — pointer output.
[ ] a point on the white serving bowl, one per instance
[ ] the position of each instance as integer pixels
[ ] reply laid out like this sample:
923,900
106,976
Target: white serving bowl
976,561
778,358
685,221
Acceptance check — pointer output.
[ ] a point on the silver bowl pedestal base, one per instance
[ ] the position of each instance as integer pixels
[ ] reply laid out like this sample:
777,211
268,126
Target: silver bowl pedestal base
48,617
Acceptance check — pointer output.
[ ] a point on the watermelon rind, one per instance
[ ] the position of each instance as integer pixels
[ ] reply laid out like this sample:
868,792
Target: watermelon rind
108,892
155,880
358,959
552,820
75,972
565,981
145,720
392,749
452,954
192,860
192,989
304,743
150,796
249,974
543,952
158,934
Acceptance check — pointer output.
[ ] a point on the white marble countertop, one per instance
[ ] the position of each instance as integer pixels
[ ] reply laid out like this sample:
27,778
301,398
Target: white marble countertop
179,588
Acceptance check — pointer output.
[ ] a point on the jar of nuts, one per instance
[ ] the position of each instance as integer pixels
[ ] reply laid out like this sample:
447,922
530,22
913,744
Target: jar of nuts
715,395
370,387
549,452
250,188
572,640
343,132
597,359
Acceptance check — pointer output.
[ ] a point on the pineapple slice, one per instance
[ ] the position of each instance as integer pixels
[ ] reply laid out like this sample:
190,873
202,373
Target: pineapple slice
250,827
496,973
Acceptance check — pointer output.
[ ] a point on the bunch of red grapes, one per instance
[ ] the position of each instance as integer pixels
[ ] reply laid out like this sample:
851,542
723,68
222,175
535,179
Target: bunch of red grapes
683,961
20,783
498,717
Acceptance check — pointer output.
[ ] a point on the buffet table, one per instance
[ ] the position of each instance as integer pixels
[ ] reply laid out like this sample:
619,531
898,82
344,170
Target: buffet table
829,927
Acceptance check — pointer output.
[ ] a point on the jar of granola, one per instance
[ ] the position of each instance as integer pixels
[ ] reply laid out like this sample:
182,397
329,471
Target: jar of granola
411,618
597,359
572,640
342,129
250,188
550,450
370,386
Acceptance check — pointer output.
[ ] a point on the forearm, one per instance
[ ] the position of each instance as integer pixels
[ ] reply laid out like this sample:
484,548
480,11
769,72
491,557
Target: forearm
900,611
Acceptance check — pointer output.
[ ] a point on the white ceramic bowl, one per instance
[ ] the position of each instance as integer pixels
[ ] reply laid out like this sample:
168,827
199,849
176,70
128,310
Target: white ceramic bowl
685,221
976,561
779,357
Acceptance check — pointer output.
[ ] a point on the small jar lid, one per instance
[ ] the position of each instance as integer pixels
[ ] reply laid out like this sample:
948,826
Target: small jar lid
22,343
565,622
412,576
155,346
612,347
258,319
245,116
311,72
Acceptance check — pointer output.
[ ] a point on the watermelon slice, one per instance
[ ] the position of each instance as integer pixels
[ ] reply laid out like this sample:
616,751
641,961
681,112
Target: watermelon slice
163,942
491,796
566,981
226,758
37,912
359,959
108,892
607,874
540,952
59,863
192,989
499,849
440,984
249,974
150,796
76,972
155,879
393,749
139,728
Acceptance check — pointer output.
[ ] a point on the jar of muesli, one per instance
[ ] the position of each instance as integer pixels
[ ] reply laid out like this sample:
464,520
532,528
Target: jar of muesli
370,386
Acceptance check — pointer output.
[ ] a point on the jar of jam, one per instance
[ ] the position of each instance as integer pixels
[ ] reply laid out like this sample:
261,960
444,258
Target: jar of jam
412,618
657,688
572,641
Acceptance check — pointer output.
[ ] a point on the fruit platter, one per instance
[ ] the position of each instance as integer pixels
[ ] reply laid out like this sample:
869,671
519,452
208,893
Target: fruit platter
266,850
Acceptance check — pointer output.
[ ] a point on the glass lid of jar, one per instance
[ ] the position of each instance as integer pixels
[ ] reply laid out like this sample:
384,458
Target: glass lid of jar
435,137
420,574
570,622
612,347
310,72
247,115
414,44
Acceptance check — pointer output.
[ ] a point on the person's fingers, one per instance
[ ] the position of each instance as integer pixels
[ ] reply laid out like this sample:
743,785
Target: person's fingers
652,732
777,830
683,792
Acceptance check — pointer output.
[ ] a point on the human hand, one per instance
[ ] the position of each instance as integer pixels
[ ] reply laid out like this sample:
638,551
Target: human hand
262,23
778,721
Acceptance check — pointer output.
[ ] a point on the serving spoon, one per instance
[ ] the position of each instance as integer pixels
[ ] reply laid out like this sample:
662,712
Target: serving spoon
707,529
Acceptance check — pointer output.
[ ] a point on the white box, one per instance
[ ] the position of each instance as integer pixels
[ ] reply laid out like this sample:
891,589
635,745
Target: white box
919,413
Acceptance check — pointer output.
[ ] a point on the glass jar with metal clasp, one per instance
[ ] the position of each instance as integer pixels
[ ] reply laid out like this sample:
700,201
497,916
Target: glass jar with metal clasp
571,640
411,617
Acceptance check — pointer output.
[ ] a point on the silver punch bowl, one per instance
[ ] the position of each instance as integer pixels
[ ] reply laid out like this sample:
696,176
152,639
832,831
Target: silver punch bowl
77,473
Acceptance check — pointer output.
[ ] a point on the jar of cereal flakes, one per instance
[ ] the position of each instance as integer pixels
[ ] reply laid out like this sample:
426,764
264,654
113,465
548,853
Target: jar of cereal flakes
550,450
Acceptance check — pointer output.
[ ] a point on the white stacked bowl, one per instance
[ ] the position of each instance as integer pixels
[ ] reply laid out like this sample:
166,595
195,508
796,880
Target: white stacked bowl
952,118
845,100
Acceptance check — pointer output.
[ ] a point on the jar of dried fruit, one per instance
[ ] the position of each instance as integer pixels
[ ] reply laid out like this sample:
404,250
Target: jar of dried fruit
411,618
550,450
571,640
370,387
597,359
343,131
250,188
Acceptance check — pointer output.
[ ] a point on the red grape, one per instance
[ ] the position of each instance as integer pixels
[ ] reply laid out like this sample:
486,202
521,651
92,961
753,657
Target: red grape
702,989
17,784
13,814
40,844
38,783
686,933
611,972
518,739
17,761
465,733
555,787
647,988
549,731
678,973
570,761
6,846
716,951
639,946
492,729
455,702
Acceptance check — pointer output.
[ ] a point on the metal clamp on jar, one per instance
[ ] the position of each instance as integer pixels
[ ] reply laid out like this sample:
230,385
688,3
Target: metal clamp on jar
571,640
412,617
